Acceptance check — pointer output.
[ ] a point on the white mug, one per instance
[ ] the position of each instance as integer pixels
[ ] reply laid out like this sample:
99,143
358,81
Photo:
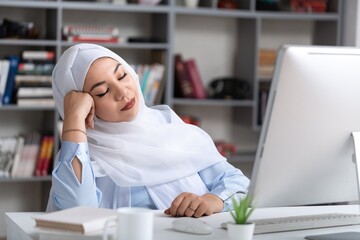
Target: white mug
132,224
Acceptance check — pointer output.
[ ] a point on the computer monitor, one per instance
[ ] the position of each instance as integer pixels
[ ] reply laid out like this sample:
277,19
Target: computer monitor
305,154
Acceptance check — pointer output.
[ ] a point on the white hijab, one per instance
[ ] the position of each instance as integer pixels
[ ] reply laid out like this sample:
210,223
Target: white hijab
156,147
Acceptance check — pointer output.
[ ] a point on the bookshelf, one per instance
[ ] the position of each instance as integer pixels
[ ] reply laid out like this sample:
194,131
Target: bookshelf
223,43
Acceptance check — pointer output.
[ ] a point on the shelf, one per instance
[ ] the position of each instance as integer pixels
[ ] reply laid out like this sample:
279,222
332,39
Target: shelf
242,158
30,4
126,45
215,12
28,42
26,179
115,7
14,107
214,102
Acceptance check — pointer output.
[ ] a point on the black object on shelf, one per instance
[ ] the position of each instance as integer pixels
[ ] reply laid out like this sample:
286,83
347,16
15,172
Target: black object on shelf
229,88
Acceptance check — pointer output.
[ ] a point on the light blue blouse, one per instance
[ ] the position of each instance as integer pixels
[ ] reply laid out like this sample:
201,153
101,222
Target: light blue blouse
221,179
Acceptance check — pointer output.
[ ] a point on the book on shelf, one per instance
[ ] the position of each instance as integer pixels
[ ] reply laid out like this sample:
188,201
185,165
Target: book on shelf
30,102
151,78
81,219
192,71
34,92
152,83
38,55
10,82
47,163
267,60
31,68
182,79
101,34
17,157
4,71
7,153
42,155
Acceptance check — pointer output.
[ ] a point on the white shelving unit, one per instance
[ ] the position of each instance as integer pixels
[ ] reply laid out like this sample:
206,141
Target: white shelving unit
223,43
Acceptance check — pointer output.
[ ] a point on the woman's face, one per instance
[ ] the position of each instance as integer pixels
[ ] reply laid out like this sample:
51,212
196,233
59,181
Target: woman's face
113,89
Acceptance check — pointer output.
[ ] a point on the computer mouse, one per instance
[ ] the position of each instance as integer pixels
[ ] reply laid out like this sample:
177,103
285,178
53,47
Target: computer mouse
191,225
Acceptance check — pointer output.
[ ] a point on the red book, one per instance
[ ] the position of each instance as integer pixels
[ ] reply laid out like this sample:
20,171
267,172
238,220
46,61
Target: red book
48,157
195,78
182,79
42,155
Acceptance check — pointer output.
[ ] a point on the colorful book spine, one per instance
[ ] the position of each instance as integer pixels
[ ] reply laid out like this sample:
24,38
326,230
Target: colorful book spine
48,157
10,83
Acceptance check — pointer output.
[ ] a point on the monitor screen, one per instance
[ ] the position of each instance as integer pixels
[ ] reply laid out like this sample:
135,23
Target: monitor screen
305,154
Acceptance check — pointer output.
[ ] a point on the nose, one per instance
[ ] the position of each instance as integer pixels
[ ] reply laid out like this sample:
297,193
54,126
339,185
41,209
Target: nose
120,91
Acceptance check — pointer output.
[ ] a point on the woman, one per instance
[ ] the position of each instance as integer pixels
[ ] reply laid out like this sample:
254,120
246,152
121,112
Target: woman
118,152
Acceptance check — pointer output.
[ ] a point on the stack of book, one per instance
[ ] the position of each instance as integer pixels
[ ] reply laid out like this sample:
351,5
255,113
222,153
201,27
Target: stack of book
267,59
96,34
26,156
33,81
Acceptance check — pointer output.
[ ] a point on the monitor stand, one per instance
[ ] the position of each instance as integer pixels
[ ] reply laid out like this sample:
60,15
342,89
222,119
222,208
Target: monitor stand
346,235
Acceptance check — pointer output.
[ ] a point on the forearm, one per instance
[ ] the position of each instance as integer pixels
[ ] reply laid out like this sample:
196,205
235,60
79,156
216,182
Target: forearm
67,190
225,181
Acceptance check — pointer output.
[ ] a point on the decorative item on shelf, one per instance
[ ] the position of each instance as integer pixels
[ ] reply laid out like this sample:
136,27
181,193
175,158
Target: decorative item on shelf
229,88
145,2
119,2
16,29
191,120
268,5
225,148
241,228
308,5
228,4
191,3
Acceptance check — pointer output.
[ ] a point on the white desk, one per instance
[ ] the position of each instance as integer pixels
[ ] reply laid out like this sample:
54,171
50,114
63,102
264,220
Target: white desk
20,225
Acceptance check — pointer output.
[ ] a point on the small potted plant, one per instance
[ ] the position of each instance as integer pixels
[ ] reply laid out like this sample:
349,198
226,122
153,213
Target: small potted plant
241,228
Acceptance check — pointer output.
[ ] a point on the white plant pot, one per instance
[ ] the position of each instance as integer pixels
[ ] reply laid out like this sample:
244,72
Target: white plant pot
240,231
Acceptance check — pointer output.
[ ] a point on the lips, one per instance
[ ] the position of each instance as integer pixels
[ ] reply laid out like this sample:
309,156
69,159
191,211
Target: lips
129,105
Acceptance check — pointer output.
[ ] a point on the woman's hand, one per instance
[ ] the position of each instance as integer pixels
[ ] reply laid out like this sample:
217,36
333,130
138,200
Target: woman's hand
79,114
192,205
79,109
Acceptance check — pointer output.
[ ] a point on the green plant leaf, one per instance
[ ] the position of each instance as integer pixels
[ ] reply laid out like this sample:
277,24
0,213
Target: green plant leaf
242,209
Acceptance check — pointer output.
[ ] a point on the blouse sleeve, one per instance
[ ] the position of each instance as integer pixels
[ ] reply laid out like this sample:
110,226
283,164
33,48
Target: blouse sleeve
66,190
225,181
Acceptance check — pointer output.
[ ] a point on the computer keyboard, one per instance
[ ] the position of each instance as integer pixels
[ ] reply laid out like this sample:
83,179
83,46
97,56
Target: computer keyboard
303,222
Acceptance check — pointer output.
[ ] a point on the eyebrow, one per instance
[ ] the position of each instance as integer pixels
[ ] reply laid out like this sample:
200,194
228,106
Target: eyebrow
102,82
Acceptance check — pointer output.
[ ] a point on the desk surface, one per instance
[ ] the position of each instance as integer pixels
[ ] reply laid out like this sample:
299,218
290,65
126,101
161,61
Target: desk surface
20,225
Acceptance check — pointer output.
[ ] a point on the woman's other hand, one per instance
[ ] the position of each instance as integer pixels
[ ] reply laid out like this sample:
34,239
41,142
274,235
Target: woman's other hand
192,205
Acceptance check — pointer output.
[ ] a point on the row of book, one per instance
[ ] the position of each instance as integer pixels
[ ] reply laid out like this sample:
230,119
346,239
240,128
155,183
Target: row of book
26,79
188,80
26,155
151,77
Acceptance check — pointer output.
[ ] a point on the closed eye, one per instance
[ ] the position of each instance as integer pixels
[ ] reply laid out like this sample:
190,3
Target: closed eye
102,94
123,76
